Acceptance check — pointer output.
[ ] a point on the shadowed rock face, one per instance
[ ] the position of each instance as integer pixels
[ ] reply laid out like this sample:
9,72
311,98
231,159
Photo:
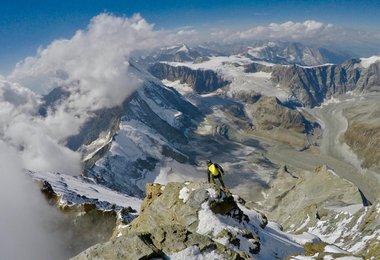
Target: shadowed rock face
202,81
312,85
169,222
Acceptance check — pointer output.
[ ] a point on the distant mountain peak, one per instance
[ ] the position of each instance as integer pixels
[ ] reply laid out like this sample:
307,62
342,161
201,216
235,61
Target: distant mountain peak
183,48
367,62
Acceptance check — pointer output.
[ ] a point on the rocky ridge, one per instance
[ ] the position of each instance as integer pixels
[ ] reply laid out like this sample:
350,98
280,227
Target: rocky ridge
307,86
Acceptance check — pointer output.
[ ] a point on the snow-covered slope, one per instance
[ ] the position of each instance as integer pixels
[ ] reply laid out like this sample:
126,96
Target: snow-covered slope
152,128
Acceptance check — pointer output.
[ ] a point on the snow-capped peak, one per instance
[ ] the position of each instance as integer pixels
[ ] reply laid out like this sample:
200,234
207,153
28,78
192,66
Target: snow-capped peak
183,48
366,62
170,47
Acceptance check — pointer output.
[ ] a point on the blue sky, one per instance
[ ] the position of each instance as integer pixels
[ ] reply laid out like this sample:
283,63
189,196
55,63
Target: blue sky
26,25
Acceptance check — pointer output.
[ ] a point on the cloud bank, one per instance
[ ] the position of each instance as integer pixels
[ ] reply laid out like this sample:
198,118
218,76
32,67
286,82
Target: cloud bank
28,225
25,132
310,32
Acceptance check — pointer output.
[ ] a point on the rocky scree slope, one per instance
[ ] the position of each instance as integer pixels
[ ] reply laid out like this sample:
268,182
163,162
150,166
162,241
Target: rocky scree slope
326,205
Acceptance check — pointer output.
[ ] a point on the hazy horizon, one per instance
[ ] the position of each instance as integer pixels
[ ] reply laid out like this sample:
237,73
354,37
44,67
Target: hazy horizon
347,25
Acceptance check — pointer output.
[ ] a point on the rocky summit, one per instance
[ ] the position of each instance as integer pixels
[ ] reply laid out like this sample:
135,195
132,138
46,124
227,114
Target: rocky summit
195,219
184,219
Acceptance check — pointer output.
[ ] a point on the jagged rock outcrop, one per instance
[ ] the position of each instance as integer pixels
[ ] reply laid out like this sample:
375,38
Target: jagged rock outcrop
202,81
311,85
178,218
328,206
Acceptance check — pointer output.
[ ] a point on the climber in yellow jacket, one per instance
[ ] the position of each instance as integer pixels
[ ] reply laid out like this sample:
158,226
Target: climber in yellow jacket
214,170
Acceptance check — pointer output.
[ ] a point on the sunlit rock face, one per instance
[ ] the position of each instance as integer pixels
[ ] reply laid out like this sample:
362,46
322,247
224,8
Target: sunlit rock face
194,219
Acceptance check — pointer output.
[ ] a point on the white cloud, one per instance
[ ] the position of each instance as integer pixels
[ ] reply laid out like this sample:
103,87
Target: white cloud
38,148
92,63
309,29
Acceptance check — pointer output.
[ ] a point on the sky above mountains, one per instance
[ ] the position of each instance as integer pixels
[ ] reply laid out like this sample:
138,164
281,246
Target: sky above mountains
27,25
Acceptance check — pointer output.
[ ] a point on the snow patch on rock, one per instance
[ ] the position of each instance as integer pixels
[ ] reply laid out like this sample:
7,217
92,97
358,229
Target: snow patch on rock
184,194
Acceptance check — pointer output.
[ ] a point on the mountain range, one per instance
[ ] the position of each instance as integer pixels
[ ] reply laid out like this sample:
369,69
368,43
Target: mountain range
267,112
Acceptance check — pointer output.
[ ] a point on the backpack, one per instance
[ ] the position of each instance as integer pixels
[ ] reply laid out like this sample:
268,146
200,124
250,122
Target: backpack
214,170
